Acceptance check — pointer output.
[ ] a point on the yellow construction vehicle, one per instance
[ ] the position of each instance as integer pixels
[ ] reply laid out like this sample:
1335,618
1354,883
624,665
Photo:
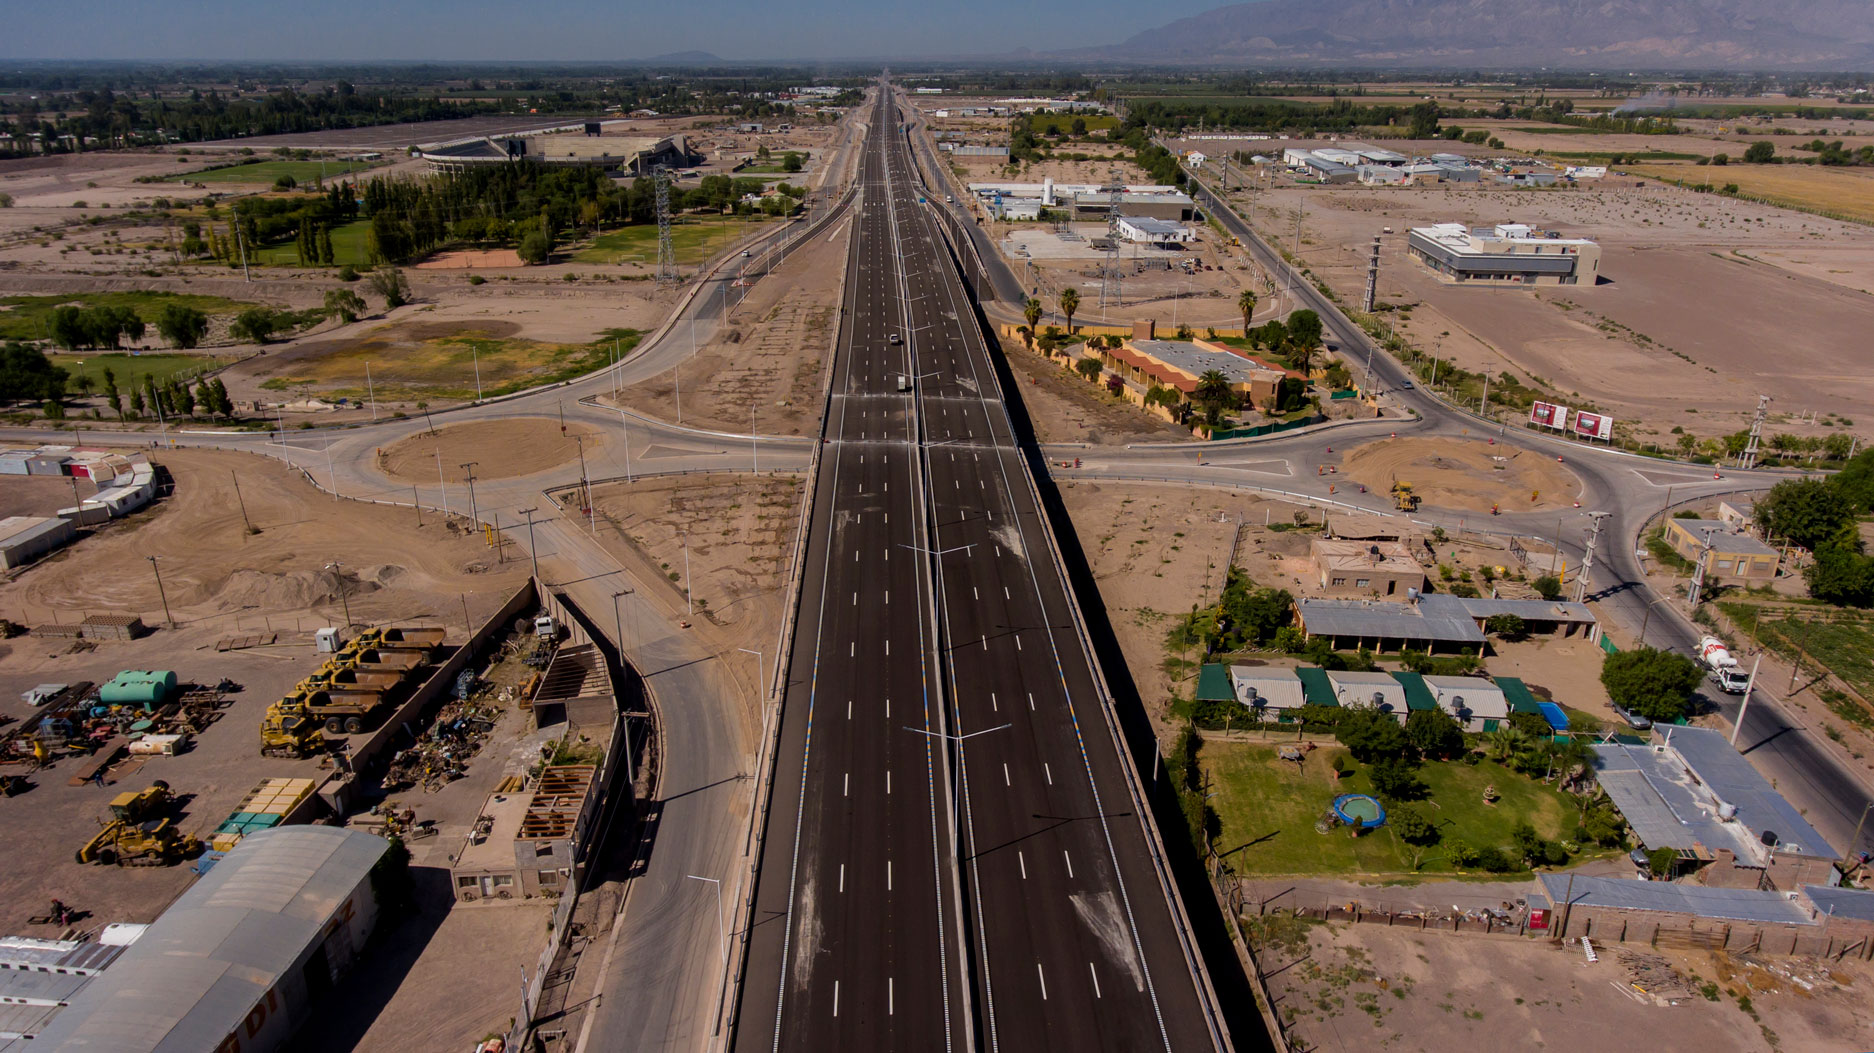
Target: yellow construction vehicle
1403,498
136,835
153,843
289,731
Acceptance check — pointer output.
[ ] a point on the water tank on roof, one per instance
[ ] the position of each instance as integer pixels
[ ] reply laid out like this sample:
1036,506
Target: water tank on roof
1251,696
1727,811
1379,698
1770,838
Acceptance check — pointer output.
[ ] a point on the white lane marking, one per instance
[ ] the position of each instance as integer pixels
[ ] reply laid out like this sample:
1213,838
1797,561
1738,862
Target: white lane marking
888,647
888,875
891,997
1018,643
985,643
1022,862
1005,774
888,709
888,597
1031,700
1005,593
852,649
1070,863
974,593
888,780
842,877
855,599
845,786
849,709
1044,981
835,997
992,702
1096,980
1049,772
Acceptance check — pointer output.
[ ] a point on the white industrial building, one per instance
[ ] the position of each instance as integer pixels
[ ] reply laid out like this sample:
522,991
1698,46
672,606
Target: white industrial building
1154,231
240,960
1380,175
26,538
1506,254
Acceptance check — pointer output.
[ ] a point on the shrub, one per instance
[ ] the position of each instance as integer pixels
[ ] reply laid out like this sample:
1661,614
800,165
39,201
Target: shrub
1548,586
1412,825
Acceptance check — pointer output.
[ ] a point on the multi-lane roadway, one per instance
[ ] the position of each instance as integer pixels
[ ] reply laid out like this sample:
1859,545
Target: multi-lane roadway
954,858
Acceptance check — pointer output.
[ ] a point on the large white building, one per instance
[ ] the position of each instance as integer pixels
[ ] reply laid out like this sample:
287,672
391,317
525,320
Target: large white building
1504,255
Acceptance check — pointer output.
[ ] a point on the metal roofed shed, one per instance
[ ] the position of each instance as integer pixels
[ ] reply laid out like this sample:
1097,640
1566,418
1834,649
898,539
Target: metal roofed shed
237,961
26,538
1267,688
1837,902
1368,690
1371,623
1759,806
1672,897
1477,704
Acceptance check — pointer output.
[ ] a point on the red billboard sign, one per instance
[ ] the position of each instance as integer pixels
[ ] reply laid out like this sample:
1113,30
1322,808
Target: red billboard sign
1594,426
1548,415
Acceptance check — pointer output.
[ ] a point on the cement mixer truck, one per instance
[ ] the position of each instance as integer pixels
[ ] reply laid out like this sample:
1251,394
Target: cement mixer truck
1721,666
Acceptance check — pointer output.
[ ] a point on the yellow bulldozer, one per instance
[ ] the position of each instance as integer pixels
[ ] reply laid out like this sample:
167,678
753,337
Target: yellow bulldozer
1403,498
289,731
137,835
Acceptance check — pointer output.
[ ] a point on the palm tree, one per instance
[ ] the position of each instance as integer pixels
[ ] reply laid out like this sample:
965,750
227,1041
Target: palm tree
1246,303
1301,356
1213,393
1031,310
1070,302
1507,741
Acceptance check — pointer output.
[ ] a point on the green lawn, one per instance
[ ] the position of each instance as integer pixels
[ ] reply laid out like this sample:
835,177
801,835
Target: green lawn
265,173
24,317
695,239
767,169
347,247
130,369
1269,808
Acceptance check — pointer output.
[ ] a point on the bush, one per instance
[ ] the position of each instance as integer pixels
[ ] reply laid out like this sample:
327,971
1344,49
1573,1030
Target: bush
1653,683
476,279
1412,825
535,247
348,273
1548,586
1395,780
1495,860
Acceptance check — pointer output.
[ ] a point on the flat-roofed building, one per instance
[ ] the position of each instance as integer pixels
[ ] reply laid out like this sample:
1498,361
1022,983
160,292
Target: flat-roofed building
1140,365
1329,171
1369,691
1155,231
1734,555
26,538
1507,254
1365,568
1477,705
1168,205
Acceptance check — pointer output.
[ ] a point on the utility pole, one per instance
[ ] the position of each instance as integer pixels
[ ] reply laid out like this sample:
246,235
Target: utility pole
666,253
1748,459
618,627
237,497
585,488
474,513
241,243
531,550
1587,559
370,390
167,617
338,579
1698,572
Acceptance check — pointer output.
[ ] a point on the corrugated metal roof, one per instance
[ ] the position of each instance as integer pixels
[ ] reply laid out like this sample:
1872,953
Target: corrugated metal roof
1652,820
1357,690
59,956
1841,902
22,1021
1277,688
20,987
1734,904
1528,610
191,979
1373,619
1759,806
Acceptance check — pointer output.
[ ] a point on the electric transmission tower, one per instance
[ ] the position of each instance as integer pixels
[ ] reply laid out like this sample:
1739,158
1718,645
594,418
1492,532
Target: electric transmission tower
1372,279
1109,279
666,253
1587,559
1748,459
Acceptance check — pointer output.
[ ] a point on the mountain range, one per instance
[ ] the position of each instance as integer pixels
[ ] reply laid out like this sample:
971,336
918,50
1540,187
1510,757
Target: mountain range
1461,34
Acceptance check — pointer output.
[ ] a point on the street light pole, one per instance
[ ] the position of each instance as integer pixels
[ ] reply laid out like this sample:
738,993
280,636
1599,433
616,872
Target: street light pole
531,550
721,934
170,618
1744,707
618,629
761,672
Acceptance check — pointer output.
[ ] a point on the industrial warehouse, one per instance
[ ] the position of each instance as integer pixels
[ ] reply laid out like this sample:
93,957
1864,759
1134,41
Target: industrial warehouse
1507,254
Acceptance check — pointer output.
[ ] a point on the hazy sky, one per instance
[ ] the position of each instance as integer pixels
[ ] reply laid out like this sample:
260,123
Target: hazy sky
574,30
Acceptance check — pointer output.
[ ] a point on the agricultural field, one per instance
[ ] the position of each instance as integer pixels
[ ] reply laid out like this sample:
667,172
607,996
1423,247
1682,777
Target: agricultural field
348,247
130,370
412,361
1840,641
26,317
1846,192
266,173
695,239
1269,806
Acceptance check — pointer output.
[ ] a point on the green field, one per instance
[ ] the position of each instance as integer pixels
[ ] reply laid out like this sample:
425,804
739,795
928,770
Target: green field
24,317
446,366
1096,122
694,238
266,173
1269,808
1841,641
130,369
347,247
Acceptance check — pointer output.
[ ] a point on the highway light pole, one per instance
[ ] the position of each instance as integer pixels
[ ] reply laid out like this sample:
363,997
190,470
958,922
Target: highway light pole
338,580
626,430
761,672
618,629
956,738
1744,706
531,550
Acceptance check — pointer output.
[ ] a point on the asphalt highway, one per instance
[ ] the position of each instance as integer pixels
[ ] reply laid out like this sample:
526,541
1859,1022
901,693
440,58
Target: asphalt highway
952,857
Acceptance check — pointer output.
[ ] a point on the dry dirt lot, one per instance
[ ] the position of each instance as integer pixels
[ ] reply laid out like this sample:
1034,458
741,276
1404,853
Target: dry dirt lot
739,535
1155,551
213,573
1351,988
1687,277
501,449
1465,476
770,359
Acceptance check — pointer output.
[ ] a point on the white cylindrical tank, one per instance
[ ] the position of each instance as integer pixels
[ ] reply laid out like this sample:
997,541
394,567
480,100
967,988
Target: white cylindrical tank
1727,811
